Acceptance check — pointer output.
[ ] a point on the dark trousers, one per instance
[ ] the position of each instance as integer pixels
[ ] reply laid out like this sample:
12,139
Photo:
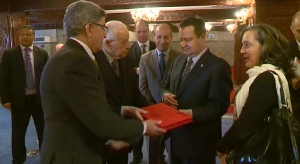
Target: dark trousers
203,158
137,150
114,157
156,149
20,120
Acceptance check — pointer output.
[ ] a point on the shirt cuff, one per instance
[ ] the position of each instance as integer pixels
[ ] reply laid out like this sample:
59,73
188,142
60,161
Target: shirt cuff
145,127
122,111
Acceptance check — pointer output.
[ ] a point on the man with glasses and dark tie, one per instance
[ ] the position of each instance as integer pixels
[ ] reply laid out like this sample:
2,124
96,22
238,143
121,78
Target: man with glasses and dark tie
120,87
154,66
21,69
78,119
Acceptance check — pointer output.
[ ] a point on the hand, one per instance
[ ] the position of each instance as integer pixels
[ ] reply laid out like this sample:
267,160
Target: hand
222,157
137,70
296,83
133,112
169,99
7,106
152,128
186,111
118,145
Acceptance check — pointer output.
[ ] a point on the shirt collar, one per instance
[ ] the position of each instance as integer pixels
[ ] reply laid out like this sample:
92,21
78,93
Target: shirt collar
146,43
30,47
108,57
196,58
165,52
86,48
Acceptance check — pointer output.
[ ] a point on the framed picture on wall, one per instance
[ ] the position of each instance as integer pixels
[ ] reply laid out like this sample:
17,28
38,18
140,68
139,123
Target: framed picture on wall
211,35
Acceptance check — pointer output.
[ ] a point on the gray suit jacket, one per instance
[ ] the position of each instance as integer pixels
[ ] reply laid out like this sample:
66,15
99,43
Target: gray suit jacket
150,79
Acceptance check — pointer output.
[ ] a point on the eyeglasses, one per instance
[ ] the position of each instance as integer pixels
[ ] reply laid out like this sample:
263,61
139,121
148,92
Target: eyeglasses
103,27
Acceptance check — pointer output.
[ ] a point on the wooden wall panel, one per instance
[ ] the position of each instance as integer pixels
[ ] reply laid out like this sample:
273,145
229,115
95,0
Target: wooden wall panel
4,34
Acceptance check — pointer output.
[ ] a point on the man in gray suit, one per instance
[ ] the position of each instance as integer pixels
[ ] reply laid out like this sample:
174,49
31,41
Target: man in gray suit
154,66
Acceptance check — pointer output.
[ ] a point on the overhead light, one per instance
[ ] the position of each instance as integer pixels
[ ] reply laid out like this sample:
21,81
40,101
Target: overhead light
231,28
208,27
147,14
244,14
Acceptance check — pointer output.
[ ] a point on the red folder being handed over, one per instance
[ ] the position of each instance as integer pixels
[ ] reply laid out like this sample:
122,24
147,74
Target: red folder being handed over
170,117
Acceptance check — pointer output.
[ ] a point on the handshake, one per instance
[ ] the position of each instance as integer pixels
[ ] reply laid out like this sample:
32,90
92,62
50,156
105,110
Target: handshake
151,127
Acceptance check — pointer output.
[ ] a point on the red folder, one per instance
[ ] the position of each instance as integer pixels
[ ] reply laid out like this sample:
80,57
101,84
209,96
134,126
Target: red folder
170,117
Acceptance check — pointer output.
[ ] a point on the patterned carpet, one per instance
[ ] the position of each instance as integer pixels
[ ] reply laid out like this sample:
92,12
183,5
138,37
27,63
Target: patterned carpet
5,139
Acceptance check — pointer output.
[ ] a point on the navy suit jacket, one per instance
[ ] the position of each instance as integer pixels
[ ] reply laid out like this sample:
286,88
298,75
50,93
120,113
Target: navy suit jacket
13,77
78,120
130,96
206,90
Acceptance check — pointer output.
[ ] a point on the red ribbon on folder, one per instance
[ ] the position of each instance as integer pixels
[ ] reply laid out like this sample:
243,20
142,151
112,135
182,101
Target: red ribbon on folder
171,118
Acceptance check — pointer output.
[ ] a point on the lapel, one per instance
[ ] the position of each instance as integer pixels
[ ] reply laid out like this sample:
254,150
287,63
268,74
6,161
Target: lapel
172,55
19,59
36,56
154,61
137,50
198,68
124,71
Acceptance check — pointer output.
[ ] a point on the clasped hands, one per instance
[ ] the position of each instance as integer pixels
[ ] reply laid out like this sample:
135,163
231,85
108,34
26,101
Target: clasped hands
222,157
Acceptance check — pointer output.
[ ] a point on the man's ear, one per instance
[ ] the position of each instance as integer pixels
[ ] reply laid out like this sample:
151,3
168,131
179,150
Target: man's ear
88,30
291,27
107,43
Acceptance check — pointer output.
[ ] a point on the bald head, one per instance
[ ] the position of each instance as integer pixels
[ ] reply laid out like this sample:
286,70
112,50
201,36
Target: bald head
164,27
163,37
142,31
295,25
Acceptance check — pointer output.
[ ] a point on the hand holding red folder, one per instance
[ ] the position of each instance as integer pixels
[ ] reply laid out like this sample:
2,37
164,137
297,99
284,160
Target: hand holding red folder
170,117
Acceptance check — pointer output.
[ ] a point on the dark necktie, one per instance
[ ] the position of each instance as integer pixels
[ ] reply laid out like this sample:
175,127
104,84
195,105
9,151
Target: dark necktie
115,66
28,70
162,65
143,48
186,70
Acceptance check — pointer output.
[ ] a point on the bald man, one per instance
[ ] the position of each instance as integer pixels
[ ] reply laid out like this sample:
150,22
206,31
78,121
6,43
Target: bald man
295,52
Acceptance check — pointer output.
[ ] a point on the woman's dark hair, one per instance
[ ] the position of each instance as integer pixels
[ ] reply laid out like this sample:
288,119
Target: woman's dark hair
275,47
197,22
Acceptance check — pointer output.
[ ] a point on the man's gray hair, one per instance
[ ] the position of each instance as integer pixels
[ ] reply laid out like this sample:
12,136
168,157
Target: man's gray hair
80,13
113,28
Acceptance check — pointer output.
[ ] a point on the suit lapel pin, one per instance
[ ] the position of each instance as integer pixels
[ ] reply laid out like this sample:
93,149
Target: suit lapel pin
201,65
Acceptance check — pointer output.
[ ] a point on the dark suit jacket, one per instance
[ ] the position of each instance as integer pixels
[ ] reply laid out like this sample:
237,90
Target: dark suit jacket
131,96
78,119
13,77
295,93
150,79
206,91
135,52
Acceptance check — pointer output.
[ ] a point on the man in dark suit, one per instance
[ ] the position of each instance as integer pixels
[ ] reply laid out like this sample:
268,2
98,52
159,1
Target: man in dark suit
198,84
295,52
78,120
154,66
141,46
21,69
119,83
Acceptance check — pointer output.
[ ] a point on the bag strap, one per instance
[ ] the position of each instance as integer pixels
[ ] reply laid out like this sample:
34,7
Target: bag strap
288,116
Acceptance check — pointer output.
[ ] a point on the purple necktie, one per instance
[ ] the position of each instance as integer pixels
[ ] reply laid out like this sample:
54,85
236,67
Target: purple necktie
28,70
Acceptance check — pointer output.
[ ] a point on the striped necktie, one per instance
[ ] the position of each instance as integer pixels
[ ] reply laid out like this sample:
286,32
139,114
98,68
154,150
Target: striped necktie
28,70
186,70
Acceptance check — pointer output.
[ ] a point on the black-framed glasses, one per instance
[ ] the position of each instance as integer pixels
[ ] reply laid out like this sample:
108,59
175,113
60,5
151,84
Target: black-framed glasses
103,27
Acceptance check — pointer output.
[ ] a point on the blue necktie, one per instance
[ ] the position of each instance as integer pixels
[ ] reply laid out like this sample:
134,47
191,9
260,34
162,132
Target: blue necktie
28,70
186,70
162,65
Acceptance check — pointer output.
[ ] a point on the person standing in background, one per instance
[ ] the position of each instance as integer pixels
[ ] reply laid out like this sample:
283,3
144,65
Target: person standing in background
78,120
295,52
21,69
116,69
141,46
198,84
154,66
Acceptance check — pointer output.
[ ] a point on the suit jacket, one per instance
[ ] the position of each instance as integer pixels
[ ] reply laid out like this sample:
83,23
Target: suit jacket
135,52
150,79
206,90
295,93
294,50
130,96
13,77
78,119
